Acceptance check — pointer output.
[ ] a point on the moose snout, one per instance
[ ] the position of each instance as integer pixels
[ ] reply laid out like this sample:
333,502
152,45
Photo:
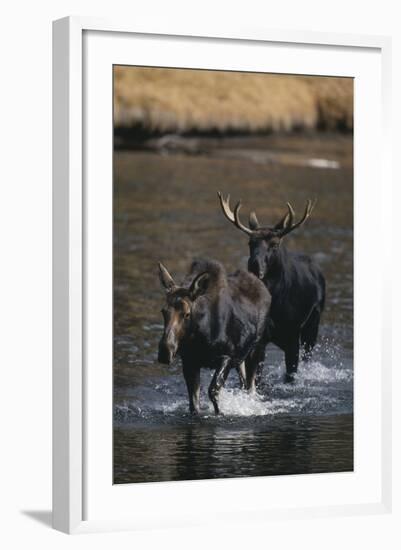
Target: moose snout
261,273
257,268
164,356
167,351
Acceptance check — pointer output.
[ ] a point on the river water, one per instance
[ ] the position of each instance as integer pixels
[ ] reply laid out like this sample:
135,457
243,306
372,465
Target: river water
166,209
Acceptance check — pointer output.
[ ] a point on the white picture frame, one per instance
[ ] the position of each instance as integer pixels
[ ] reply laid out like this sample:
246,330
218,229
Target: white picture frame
75,480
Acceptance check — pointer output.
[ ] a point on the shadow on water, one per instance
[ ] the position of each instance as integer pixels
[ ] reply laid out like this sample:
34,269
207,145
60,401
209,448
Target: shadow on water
166,209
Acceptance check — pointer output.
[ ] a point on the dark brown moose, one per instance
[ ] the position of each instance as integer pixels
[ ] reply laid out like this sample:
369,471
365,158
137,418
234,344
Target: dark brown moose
296,284
214,321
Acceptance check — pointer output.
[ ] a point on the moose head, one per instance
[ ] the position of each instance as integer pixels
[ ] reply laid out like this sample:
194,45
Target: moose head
264,242
177,312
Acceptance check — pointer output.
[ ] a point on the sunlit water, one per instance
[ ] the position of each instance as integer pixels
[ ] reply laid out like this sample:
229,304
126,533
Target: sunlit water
166,209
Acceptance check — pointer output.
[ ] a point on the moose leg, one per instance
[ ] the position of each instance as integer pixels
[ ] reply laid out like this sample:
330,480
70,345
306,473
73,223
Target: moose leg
218,380
242,375
254,367
291,359
309,334
192,379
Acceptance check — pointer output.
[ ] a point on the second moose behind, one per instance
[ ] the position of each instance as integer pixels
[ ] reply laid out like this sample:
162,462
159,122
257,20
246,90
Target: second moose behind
295,282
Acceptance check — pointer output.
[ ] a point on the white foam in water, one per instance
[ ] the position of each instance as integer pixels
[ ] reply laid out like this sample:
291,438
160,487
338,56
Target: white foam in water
233,402
177,406
319,372
241,403
317,388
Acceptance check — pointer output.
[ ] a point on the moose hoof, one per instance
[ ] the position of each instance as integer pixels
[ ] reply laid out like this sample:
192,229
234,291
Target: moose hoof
289,378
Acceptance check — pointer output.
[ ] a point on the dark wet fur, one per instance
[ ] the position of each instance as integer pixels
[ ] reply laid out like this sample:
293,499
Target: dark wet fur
295,283
298,289
228,320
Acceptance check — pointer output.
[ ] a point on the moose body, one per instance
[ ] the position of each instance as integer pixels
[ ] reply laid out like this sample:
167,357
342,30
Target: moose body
295,282
214,321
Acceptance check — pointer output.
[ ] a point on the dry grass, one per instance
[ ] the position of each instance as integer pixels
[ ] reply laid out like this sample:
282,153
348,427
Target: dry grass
174,100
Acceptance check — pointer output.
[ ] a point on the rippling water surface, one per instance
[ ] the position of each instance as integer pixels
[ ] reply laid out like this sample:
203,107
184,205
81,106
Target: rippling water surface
166,209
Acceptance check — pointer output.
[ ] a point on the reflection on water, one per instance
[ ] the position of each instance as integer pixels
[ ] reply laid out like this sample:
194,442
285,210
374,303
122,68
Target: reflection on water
195,449
166,209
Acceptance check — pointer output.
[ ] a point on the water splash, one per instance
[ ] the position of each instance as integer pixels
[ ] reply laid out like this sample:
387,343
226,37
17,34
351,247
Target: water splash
318,389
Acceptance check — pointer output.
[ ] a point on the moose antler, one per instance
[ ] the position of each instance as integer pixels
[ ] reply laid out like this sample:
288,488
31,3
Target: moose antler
287,221
283,227
233,217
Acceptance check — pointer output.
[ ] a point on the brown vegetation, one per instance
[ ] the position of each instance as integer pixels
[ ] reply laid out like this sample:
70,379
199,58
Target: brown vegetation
185,100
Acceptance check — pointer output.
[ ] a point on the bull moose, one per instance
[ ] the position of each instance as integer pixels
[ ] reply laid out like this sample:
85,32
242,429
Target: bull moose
215,321
295,282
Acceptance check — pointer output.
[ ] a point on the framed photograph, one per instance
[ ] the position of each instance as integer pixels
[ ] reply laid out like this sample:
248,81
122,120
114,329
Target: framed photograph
220,341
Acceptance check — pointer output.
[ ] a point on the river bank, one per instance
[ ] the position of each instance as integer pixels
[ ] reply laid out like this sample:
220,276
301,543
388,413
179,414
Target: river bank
157,101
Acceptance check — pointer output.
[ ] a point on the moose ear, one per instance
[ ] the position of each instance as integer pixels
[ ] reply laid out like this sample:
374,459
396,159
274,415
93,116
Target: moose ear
166,279
199,285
